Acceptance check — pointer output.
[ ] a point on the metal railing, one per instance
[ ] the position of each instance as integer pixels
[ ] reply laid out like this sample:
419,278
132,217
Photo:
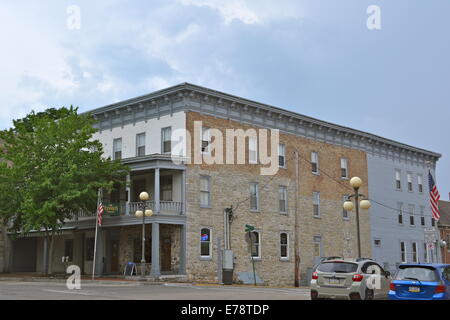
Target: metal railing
174,207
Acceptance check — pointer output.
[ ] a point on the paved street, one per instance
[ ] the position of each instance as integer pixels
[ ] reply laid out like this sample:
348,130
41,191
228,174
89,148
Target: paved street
13,290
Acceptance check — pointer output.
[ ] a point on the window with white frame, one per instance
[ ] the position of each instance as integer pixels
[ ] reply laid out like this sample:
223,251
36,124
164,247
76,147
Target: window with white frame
398,181
252,150
314,162
400,212
317,246
254,196
140,144
422,215
411,214
206,140
345,212
284,245
316,203
403,252
420,183
166,140
415,257
117,149
205,243
425,252
256,244
282,156
205,191
410,183
282,192
166,188
344,168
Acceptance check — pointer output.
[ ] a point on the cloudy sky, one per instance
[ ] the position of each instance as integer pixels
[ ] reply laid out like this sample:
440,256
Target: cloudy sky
315,57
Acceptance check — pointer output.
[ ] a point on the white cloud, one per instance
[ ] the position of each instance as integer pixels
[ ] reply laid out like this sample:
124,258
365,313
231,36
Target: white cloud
250,11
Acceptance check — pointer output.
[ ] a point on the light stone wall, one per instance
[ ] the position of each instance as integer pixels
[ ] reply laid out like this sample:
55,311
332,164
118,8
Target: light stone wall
129,233
230,185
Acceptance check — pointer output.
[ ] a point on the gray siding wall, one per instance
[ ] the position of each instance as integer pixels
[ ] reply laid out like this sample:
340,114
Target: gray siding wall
384,221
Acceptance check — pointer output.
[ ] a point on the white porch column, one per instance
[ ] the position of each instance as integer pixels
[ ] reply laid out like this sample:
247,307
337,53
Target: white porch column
128,191
157,196
155,250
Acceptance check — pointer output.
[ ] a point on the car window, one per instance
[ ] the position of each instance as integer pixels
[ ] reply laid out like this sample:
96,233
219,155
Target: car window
446,273
372,268
338,267
415,272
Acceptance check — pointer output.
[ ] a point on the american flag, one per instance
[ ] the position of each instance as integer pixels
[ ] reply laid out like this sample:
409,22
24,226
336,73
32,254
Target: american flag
100,214
434,197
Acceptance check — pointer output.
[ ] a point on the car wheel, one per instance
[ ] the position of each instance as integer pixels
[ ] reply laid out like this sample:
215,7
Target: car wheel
369,295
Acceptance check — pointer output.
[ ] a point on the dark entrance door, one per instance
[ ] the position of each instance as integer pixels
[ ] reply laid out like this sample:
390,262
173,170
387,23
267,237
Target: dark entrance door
114,256
166,255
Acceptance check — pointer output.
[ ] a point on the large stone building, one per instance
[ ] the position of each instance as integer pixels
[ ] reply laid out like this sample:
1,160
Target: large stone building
299,205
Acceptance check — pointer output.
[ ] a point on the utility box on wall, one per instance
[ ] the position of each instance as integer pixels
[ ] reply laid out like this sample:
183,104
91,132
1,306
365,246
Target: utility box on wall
228,266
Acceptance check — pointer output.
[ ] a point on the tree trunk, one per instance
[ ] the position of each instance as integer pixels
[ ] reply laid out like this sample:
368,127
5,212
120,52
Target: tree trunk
4,244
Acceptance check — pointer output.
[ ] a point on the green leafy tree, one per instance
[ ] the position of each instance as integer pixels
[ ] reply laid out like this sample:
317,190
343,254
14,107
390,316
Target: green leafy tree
53,170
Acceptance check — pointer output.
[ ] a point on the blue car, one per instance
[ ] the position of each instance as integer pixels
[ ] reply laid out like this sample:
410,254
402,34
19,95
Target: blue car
421,282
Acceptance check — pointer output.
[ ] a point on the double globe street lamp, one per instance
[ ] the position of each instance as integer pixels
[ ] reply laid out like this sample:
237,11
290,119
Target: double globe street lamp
143,212
364,204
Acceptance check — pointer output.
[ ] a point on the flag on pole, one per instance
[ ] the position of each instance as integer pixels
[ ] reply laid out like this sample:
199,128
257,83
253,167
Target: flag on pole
100,214
434,197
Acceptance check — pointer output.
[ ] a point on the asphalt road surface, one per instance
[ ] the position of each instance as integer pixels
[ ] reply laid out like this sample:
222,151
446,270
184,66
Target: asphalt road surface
13,290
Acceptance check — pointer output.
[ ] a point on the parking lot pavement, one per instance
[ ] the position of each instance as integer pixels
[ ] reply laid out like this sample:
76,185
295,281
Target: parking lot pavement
13,290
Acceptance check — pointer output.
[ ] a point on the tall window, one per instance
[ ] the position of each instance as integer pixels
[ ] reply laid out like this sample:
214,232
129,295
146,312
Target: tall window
415,257
314,162
402,252
344,212
140,144
206,140
284,245
398,182
422,217
166,188
117,149
425,252
205,243
432,222
411,214
344,168
317,246
89,249
316,204
256,247
400,212
420,183
68,249
282,192
282,156
252,150
254,196
166,140
410,183
205,191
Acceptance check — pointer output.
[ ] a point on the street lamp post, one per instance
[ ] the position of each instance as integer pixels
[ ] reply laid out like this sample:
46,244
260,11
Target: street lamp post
143,212
365,204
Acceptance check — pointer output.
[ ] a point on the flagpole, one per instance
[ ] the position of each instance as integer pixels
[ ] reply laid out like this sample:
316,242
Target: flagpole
96,232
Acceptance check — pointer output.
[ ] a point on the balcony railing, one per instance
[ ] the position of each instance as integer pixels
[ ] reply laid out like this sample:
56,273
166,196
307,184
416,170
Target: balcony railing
165,207
173,207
